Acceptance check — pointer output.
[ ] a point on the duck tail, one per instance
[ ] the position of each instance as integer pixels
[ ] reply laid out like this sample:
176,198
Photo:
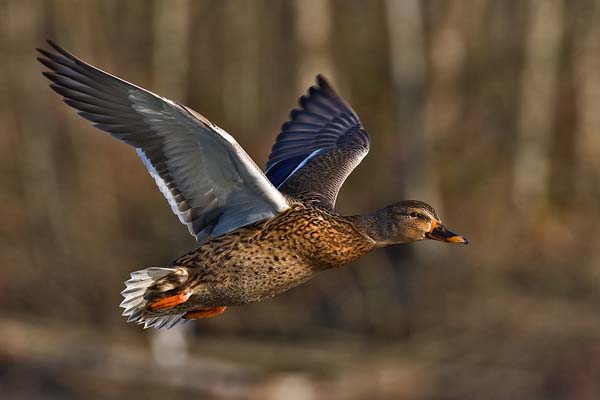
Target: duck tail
144,286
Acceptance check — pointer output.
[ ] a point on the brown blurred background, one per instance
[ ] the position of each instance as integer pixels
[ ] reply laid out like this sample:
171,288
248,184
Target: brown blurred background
486,109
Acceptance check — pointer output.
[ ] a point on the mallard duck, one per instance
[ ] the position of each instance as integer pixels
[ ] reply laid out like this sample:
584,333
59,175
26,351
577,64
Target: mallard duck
259,233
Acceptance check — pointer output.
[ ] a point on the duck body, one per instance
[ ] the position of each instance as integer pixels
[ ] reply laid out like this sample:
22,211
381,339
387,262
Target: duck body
271,256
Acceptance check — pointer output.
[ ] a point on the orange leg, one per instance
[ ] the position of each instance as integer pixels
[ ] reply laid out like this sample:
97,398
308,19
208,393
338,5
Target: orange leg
204,313
170,301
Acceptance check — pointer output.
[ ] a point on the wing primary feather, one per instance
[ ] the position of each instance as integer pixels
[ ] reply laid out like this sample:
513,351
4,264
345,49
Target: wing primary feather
317,134
201,170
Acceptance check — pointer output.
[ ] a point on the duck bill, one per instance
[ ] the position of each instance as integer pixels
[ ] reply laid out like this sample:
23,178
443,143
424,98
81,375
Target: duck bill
441,233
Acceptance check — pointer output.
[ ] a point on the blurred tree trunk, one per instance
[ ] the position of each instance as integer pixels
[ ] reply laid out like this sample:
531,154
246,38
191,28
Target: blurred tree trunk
241,76
43,195
313,25
171,46
587,139
408,66
586,172
537,105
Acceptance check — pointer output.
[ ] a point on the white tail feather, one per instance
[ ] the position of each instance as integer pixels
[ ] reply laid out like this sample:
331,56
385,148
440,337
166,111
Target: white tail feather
135,304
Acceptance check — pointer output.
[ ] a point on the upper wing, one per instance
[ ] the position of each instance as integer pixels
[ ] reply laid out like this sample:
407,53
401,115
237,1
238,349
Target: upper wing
318,148
212,185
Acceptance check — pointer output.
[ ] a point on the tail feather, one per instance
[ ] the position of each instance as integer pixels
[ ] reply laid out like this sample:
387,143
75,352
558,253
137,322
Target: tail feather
134,303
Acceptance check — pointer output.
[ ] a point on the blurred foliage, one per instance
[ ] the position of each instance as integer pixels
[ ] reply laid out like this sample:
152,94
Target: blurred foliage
485,109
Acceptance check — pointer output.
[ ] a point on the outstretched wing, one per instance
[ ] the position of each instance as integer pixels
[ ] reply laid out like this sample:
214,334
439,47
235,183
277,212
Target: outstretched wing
318,148
212,185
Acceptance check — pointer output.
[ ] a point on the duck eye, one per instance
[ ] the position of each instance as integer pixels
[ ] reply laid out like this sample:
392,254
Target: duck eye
414,214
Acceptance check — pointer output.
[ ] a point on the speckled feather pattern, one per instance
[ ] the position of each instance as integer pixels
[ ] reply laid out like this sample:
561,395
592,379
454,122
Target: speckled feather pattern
270,257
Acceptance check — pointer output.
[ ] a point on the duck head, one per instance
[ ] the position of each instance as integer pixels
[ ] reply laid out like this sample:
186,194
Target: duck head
409,221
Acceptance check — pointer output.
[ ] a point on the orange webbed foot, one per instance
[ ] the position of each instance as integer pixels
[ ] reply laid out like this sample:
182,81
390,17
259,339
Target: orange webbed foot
169,302
204,313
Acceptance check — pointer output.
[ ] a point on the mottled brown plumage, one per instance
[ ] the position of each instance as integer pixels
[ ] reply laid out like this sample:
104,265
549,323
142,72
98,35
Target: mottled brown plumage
259,234
269,257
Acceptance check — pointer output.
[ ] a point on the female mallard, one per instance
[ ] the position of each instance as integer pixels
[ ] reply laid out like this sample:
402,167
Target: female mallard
260,234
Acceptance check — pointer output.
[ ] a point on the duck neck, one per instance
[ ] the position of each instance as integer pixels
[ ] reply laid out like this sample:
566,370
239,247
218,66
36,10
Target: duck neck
379,226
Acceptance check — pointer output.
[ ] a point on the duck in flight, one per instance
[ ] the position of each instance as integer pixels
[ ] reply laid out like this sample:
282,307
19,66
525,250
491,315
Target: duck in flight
259,233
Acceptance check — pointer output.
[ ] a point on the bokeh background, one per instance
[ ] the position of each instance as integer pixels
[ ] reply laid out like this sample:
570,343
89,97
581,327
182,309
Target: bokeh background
486,109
